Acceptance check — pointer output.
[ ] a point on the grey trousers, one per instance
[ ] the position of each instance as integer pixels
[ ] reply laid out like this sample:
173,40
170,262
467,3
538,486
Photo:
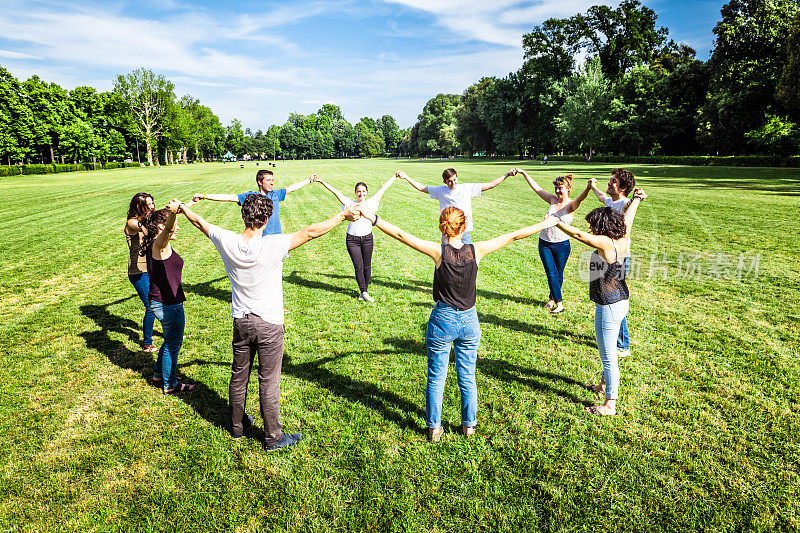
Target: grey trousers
252,334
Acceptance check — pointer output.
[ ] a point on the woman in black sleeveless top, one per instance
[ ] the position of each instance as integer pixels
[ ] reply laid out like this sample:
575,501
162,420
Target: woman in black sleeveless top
453,320
610,236
166,296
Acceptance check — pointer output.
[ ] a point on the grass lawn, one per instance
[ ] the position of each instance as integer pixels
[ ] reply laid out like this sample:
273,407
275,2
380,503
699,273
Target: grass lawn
708,435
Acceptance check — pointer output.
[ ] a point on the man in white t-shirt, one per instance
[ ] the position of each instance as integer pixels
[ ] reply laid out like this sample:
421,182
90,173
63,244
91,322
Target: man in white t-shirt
455,194
254,264
621,184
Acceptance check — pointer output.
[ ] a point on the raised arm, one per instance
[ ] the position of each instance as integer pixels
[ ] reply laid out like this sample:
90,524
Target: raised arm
595,241
378,195
546,196
483,248
321,228
576,203
196,220
299,185
215,197
597,192
162,239
133,226
630,210
497,181
341,197
417,185
429,248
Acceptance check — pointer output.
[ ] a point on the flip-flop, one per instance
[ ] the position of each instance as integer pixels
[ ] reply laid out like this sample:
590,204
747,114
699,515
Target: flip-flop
179,388
593,410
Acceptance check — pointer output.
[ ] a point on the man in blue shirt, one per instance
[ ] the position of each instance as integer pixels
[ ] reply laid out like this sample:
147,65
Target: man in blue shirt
265,181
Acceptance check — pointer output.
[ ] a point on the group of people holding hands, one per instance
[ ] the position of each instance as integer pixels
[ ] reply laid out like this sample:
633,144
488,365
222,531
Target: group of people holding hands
253,262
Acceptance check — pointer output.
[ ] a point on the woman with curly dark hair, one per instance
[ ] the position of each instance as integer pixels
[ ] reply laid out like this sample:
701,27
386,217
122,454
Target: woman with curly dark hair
166,296
140,205
610,236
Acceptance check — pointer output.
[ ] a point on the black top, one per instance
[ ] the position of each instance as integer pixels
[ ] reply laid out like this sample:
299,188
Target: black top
606,281
165,278
454,280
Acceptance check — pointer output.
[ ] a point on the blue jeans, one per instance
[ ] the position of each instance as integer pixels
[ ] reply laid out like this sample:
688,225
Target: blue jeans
607,319
141,282
554,257
466,238
623,343
172,323
447,325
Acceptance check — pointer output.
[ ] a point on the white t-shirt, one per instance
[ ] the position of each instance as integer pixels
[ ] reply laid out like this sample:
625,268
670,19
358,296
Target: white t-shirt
617,205
554,234
255,269
362,226
460,197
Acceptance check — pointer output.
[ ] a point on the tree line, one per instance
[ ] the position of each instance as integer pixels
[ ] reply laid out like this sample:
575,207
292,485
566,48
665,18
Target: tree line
635,92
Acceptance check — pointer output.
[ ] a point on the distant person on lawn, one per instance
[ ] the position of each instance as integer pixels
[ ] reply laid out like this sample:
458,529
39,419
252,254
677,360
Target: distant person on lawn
359,239
254,264
141,204
453,320
611,237
265,180
621,184
456,195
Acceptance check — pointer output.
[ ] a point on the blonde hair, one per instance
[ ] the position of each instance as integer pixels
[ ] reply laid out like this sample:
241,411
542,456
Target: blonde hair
563,180
452,221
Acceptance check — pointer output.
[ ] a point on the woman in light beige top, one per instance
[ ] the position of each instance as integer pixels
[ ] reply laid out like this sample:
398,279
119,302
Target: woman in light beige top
141,203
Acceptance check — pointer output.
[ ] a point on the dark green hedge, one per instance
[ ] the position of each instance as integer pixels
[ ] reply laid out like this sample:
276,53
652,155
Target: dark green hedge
694,160
16,170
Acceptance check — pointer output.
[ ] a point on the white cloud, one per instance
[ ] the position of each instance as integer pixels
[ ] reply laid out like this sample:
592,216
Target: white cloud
17,55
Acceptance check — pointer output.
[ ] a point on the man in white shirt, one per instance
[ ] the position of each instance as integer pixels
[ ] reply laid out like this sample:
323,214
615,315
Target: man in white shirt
455,194
254,264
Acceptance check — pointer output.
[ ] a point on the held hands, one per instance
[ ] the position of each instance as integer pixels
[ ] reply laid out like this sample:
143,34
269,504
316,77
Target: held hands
352,213
592,182
551,220
639,194
402,175
174,205
314,178
197,197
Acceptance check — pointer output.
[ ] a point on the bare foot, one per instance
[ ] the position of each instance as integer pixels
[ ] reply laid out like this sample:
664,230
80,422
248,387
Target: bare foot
600,387
600,410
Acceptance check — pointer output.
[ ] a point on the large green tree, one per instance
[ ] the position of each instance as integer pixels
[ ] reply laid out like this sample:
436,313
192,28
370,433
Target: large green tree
149,97
582,119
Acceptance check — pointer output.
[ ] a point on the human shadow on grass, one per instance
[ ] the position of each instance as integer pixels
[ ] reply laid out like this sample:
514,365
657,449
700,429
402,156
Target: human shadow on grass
203,399
412,285
206,289
539,380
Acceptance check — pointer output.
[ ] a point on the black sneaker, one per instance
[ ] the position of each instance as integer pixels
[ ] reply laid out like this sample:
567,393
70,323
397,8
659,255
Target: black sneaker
286,441
247,425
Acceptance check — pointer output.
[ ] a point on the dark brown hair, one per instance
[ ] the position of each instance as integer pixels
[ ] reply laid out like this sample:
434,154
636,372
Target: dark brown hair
607,221
256,210
138,205
452,221
360,183
448,173
625,180
150,222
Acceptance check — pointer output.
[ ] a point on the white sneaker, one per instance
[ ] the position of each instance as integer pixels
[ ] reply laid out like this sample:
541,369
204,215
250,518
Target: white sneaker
361,297
366,297
623,353
559,308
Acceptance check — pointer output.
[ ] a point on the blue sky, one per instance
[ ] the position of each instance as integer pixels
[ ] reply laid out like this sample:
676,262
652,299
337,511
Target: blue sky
259,61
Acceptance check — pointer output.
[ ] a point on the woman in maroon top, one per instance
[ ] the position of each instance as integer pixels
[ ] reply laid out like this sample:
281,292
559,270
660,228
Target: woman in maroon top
165,266
454,320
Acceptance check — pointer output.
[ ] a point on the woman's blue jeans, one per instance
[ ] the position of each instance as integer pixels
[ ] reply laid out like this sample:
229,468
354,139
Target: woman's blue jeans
172,323
448,326
623,342
141,282
554,257
607,319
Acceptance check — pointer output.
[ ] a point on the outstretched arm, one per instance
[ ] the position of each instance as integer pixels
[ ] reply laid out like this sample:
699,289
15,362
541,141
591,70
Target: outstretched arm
431,249
133,226
378,195
576,203
483,248
597,192
494,183
299,185
546,196
298,238
215,197
630,210
162,239
417,185
341,197
596,241
196,220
